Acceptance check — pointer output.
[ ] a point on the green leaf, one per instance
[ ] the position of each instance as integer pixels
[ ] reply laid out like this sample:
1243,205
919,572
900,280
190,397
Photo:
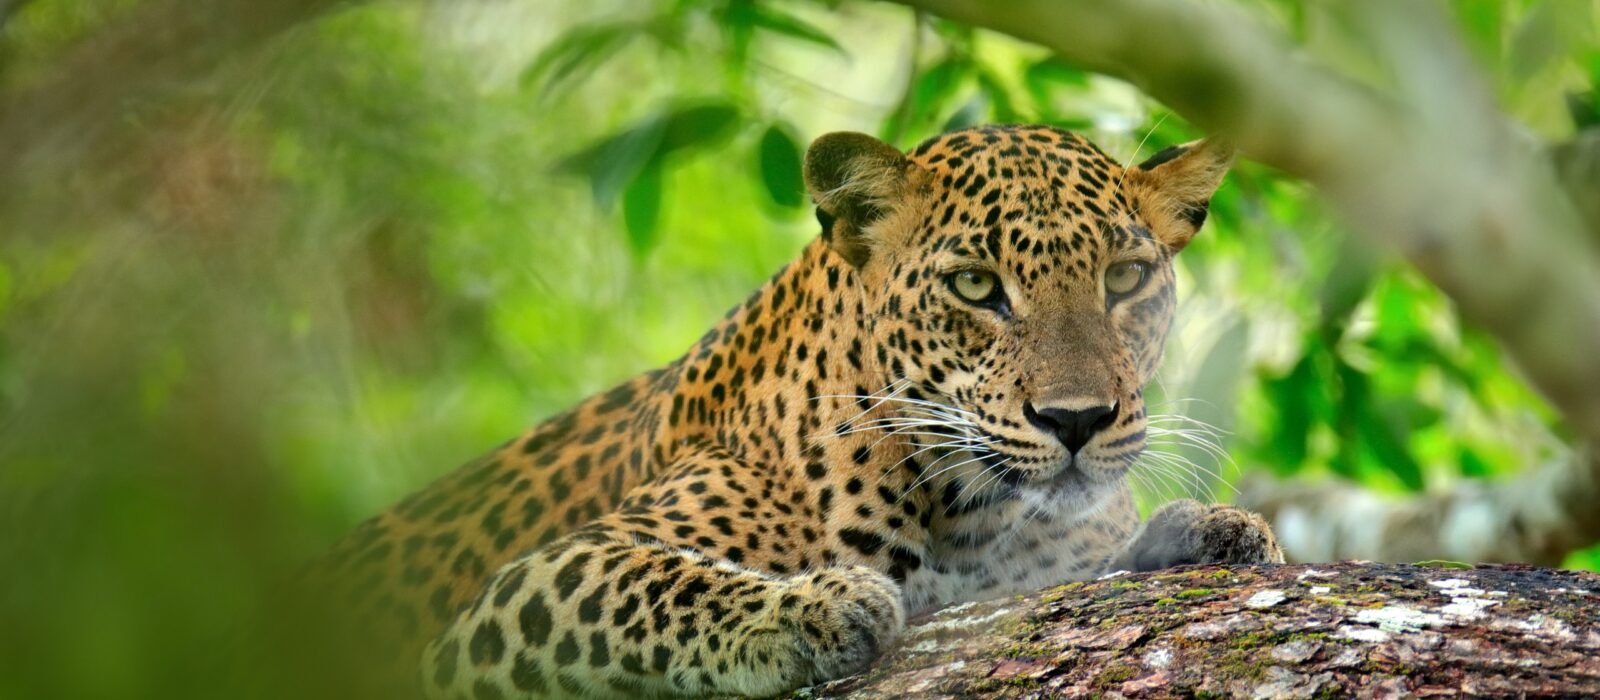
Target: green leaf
999,97
1538,40
641,210
1384,445
738,20
780,163
1354,269
1291,396
1217,378
959,36
1473,464
773,20
616,160
1483,21
1584,108
921,106
1583,559
1297,20
575,54
697,126
970,114
1044,77
1365,429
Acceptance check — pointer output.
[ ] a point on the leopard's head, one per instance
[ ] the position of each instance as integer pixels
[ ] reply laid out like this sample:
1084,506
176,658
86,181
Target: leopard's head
1018,285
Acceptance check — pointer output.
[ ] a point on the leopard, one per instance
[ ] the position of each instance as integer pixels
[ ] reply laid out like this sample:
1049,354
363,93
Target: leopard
938,401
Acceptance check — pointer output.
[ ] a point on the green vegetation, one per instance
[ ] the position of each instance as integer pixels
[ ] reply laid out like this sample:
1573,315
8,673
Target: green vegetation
266,269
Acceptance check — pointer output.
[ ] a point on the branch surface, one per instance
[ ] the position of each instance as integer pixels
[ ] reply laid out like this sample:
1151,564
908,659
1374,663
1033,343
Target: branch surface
1349,629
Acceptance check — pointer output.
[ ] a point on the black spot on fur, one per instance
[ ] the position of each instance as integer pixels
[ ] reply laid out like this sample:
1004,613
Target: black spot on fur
535,620
865,542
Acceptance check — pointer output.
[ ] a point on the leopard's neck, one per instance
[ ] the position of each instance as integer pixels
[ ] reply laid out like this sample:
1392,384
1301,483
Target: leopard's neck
783,371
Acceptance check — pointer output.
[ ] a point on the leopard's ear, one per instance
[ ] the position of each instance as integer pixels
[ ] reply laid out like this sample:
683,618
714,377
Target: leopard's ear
854,179
1173,188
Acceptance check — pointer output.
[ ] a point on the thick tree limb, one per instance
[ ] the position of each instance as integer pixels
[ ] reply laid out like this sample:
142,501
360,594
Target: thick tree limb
1345,630
1448,184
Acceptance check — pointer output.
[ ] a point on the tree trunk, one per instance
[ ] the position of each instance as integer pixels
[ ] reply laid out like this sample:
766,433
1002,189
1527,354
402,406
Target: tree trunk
1354,628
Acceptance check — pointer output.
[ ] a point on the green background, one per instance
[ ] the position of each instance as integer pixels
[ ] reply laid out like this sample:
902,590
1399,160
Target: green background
299,277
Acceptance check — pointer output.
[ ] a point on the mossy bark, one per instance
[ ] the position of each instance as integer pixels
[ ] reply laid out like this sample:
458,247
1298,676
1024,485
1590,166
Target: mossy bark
1326,630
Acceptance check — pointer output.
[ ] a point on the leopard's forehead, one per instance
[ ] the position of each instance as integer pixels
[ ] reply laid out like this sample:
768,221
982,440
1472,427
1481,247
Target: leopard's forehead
1042,154
1036,189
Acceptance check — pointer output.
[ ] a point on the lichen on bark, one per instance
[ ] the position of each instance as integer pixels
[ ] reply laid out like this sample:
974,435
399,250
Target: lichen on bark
1304,631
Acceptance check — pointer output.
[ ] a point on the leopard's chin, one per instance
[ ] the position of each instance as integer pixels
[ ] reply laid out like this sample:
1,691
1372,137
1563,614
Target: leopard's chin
1079,473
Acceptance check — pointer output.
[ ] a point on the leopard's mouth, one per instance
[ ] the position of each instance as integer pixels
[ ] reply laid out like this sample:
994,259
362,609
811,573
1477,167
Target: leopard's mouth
1008,474
1008,470
1069,476
1076,472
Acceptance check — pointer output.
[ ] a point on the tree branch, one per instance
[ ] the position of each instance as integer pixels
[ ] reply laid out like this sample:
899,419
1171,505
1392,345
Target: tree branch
1335,630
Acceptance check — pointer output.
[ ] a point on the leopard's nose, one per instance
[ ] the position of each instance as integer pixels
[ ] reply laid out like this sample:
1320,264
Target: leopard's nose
1074,427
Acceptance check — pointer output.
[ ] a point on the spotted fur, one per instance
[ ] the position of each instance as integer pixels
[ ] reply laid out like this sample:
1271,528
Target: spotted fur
854,443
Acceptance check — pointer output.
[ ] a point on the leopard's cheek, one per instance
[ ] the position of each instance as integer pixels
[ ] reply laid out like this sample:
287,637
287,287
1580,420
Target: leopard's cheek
967,357
918,338
1144,325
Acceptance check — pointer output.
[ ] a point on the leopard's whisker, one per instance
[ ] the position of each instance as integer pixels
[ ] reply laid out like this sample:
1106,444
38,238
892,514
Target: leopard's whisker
1218,456
1172,460
891,423
1147,483
1175,479
895,420
890,469
921,433
877,399
1135,158
924,403
1202,436
998,471
934,472
1177,448
1164,419
932,475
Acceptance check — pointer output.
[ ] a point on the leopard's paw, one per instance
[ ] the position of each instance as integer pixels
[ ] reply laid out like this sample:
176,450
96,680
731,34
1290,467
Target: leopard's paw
1188,532
844,618
1229,535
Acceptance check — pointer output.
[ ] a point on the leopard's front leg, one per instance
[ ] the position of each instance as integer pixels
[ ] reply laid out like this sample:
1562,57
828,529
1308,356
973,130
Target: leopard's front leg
599,614
1189,532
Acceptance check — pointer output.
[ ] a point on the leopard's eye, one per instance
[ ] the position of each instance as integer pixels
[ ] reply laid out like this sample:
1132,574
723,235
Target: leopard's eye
1126,277
976,286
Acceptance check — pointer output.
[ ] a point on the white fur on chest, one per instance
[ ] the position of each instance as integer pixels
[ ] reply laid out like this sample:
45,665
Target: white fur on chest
1040,540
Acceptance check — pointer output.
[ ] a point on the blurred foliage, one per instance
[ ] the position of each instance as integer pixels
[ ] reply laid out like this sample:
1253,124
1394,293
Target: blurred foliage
295,279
